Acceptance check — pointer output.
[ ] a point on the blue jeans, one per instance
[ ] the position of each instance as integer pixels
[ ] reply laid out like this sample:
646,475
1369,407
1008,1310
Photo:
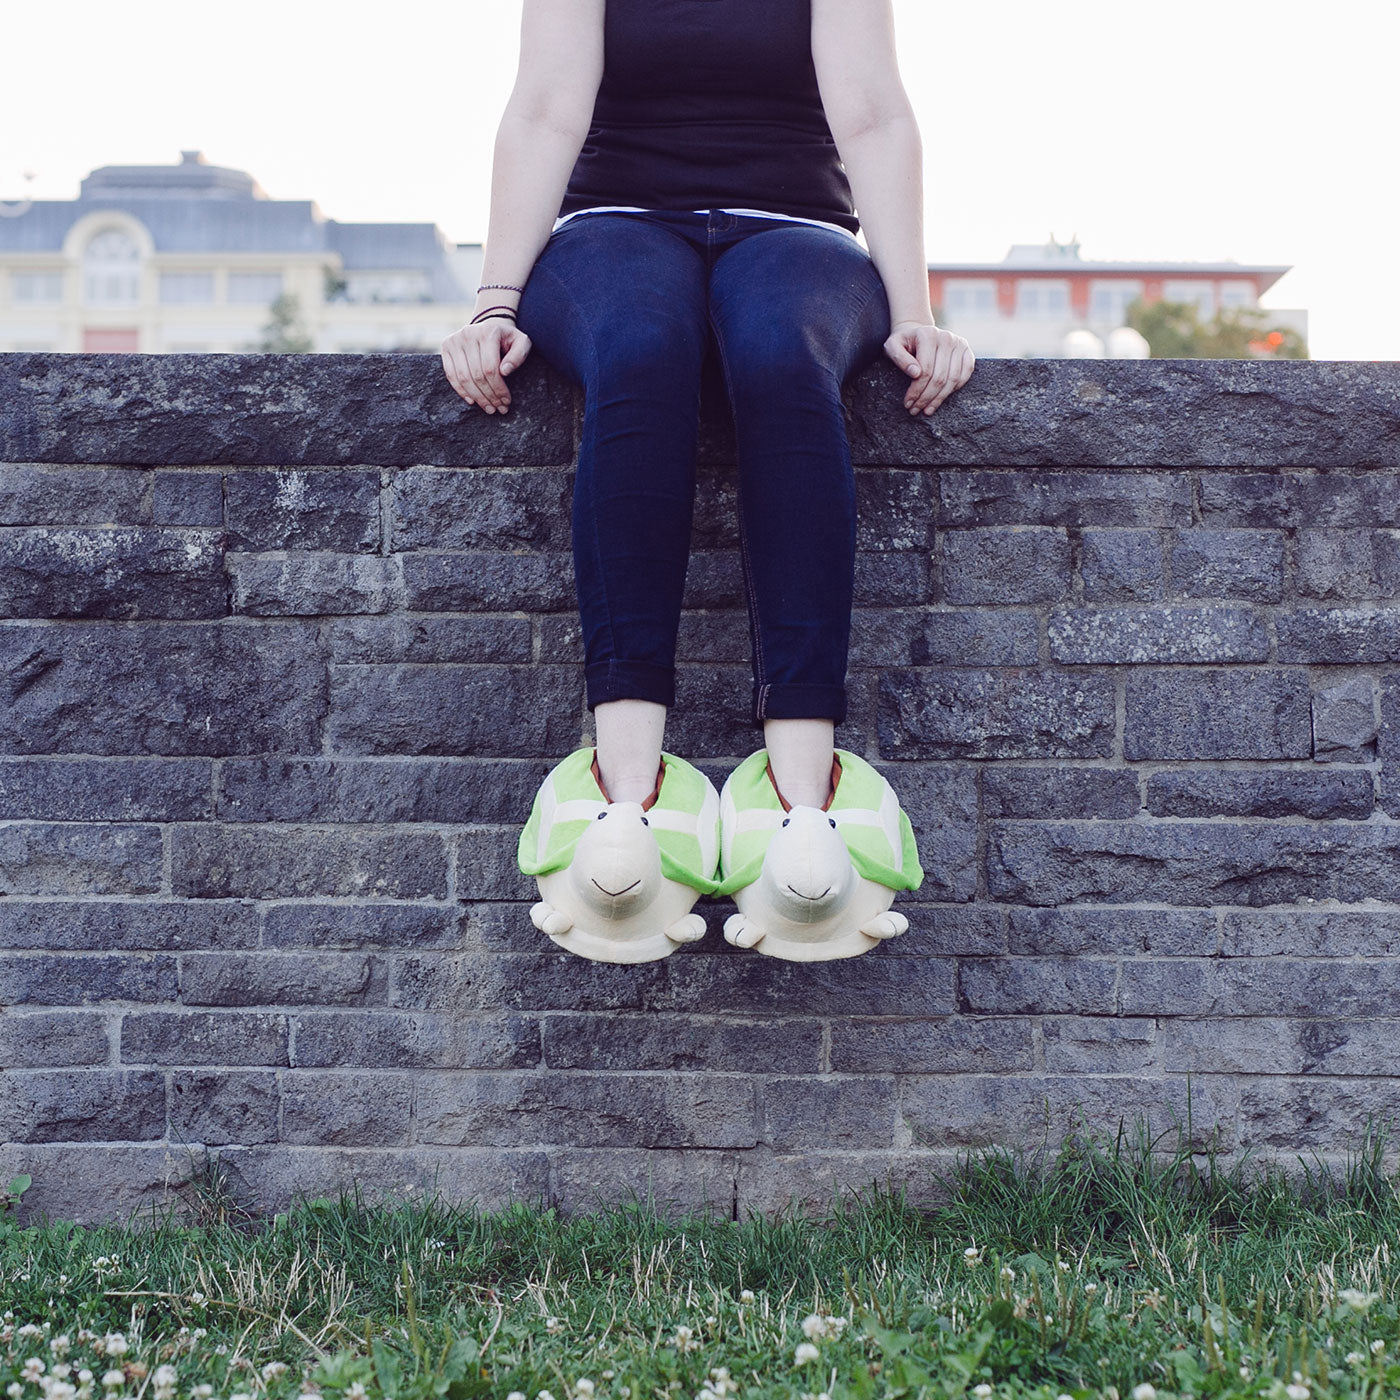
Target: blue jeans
631,307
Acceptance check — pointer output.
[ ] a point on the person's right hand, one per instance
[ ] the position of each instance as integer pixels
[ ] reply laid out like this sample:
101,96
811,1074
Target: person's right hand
477,359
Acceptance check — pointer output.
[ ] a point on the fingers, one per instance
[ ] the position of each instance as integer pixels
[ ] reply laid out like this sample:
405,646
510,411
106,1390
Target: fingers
455,367
473,363
949,362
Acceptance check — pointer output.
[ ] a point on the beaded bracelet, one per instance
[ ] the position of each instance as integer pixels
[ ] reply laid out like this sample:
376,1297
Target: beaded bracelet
502,286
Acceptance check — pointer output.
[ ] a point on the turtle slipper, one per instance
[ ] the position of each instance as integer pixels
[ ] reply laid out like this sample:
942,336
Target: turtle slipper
814,883
617,880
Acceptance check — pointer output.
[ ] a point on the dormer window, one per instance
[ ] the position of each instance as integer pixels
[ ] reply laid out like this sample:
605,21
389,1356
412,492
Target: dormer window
111,269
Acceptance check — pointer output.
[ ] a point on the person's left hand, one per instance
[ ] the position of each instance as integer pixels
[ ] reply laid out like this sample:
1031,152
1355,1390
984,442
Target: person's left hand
937,362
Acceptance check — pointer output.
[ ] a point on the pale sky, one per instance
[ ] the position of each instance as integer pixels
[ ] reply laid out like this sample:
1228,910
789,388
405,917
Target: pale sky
1200,129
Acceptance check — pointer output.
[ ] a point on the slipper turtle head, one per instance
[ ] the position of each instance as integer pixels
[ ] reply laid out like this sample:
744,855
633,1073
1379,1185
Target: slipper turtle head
616,868
807,871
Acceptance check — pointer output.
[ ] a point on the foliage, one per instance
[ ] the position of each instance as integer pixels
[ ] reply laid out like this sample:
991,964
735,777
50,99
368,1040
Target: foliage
283,334
1174,331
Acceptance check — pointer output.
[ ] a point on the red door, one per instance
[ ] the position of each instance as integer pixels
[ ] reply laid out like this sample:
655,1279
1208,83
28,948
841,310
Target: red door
111,338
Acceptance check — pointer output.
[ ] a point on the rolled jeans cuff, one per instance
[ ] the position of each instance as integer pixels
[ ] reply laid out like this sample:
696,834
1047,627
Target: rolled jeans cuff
798,700
629,680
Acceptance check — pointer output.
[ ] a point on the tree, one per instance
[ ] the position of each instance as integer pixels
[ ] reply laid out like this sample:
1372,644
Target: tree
1174,331
283,335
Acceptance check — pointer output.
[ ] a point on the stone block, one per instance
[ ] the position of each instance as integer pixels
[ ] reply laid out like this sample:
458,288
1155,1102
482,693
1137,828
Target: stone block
1121,565
72,859
477,711
313,585
1209,563
664,1041
1321,795
344,1109
228,860
1033,985
1005,564
1071,932
378,789
1099,1044
183,497
1064,497
477,639
1058,790
486,581
125,572
515,508
1344,725
1216,714
376,924
303,510
52,1039
216,1106
106,789
963,1044
203,1038
949,713
416,1040
1138,636
1289,499
853,1111
163,688
1190,862
1355,636
1311,933
945,637
672,1182
78,979
483,1109
1338,564
895,510
96,925
82,1105
76,495
282,979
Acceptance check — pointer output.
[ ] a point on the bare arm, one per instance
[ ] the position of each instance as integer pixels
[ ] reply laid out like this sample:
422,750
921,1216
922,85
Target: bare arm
541,131
873,124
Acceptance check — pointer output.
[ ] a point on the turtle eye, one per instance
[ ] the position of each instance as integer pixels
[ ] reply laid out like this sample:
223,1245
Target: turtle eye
832,820
645,822
601,815
786,820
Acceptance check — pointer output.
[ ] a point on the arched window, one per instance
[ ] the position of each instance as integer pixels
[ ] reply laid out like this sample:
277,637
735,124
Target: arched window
111,269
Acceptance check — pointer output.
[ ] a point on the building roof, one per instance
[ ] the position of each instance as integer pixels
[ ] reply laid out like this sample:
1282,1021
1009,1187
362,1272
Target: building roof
194,207
1059,258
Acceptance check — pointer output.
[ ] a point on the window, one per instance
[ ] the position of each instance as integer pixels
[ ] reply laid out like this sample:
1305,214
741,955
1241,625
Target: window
109,339
36,286
1042,298
185,287
111,269
259,288
182,347
1194,290
969,296
410,284
1237,294
1109,299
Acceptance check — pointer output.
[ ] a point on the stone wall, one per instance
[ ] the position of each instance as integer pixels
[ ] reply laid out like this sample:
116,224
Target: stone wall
288,643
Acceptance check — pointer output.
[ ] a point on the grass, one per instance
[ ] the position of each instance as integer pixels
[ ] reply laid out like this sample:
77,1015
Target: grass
1115,1269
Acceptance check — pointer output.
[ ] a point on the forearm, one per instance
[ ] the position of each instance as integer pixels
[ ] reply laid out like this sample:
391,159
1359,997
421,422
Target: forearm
529,174
885,167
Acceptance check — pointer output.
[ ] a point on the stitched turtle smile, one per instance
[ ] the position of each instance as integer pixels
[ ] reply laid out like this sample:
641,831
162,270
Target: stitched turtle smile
800,895
615,893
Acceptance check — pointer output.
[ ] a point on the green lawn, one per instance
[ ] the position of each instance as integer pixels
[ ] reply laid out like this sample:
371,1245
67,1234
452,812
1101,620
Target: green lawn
1104,1269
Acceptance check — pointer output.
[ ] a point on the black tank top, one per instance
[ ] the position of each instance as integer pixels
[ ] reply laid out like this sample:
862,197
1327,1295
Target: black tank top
707,104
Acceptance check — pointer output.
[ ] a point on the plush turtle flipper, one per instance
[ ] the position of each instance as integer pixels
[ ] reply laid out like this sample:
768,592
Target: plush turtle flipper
548,919
741,932
886,925
686,929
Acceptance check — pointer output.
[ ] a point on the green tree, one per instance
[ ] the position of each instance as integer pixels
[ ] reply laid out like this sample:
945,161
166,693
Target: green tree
283,334
1174,331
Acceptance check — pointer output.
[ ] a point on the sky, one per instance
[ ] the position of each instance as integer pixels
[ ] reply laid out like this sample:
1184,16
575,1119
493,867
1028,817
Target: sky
1197,130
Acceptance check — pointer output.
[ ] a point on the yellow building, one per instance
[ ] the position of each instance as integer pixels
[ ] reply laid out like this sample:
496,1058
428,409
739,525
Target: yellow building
190,257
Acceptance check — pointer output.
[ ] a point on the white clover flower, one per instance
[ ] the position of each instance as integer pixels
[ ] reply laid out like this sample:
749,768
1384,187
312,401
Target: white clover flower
1245,1373
606,1375
85,1375
273,1369
14,1390
356,1391
203,1392
243,1394
1377,1347
1091,1288
32,1369
805,1352
61,1369
983,1391
517,1395
1355,1299
1297,1392
30,1329
59,1390
59,1345
1007,1272
813,1326
1064,1269
685,1339
583,1386
553,1325
1144,1392
746,1295
544,1395
1152,1299
972,1254
114,1344
113,1379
